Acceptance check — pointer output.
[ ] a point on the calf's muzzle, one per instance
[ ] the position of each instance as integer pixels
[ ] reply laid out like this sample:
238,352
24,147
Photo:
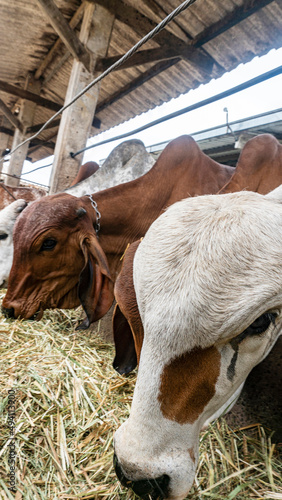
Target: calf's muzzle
9,312
147,489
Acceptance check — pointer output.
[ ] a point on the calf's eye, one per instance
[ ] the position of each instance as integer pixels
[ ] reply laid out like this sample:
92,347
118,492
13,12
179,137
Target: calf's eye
258,326
3,236
48,244
261,324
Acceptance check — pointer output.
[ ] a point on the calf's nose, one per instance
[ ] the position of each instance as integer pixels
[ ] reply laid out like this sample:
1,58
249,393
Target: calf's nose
147,489
9,312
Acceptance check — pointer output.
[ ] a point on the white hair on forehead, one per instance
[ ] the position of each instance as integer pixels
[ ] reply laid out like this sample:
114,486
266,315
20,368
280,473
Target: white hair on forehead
209,263
8,216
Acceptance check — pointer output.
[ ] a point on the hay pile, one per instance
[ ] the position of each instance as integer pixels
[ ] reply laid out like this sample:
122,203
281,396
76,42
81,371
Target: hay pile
69,403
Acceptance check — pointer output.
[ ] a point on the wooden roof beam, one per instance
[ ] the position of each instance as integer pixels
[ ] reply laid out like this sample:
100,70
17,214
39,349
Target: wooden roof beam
34,128
236,16
204,63
7,131
29,96
10,116
67,35
168,41
54,49
141,24
39,143
55,123
233,18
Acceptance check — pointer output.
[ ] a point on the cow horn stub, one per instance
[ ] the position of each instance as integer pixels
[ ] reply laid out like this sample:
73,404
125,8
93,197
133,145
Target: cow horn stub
80,212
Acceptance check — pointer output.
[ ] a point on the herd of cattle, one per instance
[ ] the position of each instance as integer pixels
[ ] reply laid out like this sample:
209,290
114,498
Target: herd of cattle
191,252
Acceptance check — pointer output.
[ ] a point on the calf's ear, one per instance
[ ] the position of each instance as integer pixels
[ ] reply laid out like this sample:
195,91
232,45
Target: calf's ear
127,324
95,288
125,359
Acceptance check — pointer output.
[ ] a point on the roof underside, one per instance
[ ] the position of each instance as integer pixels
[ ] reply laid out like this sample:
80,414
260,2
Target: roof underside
203,42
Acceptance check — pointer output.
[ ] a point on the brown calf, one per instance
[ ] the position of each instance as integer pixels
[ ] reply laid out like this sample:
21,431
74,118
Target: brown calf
53,259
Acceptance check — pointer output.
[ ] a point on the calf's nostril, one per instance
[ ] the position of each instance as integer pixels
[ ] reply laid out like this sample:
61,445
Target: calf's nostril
9,312
147,489
152,489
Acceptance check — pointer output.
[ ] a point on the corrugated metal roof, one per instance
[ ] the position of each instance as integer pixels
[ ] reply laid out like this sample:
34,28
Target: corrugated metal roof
216,28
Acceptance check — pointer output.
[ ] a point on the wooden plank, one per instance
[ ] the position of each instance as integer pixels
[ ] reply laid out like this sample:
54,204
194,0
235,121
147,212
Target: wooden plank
55,123
159,11
9,115
6,131
168,41
230,20
65,32
141,24
203,62
34,128
26,116
140,57
40,143
52,52
56,67
5,134
29,96
238,14
76,120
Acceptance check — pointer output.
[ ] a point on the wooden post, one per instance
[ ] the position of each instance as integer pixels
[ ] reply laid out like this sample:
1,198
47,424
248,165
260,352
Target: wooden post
77,119
4,140
26,118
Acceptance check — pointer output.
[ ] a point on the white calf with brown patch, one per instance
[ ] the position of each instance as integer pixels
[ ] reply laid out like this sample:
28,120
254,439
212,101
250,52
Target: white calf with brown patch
208,283
7,220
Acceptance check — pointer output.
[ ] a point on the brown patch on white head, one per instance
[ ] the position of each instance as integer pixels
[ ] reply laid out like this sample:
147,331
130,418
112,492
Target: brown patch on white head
188,384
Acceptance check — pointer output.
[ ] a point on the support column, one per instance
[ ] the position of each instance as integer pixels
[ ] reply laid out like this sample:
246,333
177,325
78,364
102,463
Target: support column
26,116
4,140
76,121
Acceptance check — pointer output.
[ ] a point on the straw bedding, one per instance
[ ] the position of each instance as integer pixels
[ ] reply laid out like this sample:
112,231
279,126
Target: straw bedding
69,402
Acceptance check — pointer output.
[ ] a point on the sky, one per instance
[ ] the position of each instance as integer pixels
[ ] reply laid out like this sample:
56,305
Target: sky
258,99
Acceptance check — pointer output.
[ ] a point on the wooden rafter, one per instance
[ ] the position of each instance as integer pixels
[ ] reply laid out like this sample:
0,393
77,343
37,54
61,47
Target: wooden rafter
167,40
65,32
39,143
56,67
7,131
29,96
10,116
248,8
204,63
233,18
54,49
34,128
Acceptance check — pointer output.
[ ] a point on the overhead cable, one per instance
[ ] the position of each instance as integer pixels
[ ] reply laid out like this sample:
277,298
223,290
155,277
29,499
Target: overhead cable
242,86
118,63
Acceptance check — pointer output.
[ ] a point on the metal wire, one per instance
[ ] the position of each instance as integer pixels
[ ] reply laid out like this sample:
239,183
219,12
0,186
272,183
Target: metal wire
239,88
118,63
14,176
242,86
